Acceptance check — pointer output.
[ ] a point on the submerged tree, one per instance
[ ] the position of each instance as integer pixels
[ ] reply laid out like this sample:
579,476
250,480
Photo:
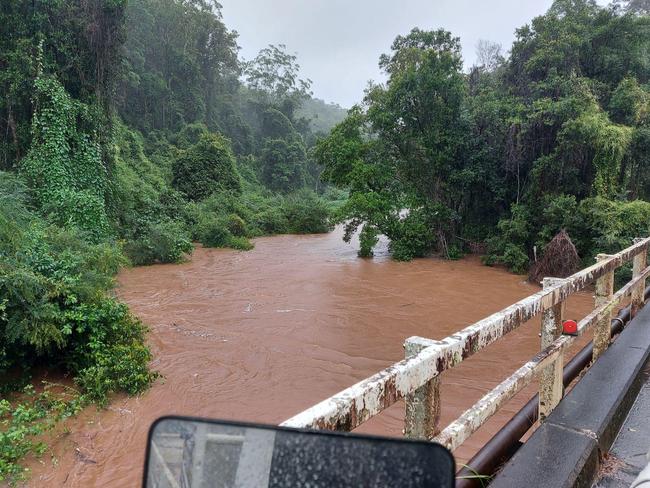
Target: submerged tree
398,152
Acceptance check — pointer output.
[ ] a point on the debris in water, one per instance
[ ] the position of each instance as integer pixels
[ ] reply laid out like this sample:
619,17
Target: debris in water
294,310
196,333
83,457
560,259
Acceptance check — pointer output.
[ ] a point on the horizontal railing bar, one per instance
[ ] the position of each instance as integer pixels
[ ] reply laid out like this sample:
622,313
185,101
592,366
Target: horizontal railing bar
472,419
602,311
582,278
356,404
504,444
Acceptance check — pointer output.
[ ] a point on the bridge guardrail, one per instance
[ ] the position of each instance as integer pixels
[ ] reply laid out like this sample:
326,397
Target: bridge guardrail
417,378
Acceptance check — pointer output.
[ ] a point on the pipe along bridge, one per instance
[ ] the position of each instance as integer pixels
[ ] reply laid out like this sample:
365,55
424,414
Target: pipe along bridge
416,379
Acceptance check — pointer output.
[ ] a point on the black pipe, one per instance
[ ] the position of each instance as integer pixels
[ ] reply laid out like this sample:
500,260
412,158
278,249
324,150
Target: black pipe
505,443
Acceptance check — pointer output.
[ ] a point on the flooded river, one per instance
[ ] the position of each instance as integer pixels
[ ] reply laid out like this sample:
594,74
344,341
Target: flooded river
262,335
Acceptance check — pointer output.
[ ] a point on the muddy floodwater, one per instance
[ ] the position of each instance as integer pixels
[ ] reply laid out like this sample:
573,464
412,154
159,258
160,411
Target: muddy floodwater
262,335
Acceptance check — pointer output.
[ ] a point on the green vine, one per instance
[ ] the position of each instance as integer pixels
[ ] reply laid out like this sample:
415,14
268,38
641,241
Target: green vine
64,164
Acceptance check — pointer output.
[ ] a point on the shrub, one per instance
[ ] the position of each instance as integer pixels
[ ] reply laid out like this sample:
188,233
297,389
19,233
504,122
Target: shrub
368,238
306,213
110,354
609,226
271,220
79,209
228,220
237,226
412,236
148,214
161,242
27,419
214,233
55,308
515,258
240,243
508,246
454,253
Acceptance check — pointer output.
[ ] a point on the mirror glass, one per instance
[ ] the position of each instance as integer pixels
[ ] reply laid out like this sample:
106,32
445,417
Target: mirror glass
184,453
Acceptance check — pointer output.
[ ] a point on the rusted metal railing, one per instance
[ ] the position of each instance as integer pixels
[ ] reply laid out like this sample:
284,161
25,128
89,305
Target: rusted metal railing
506,441
416,378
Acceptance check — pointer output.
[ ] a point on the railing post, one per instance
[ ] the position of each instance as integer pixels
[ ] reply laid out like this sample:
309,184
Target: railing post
640,263
551,387
604,293
422,417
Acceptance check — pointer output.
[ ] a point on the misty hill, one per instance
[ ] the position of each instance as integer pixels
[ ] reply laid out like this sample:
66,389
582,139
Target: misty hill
323,115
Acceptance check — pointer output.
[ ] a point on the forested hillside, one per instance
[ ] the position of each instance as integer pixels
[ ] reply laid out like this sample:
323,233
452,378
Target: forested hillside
554,135
322,115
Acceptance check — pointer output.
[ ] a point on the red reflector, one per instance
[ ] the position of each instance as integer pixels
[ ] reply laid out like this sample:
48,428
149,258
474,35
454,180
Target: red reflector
570,327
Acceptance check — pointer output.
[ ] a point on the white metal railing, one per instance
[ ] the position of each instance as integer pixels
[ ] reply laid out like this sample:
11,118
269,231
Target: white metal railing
416,378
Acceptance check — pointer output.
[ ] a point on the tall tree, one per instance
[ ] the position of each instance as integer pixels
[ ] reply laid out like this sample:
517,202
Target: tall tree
77,42
399,151
182,65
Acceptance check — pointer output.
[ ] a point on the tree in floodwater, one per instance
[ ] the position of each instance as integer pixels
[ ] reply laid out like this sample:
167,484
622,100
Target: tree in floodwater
399,151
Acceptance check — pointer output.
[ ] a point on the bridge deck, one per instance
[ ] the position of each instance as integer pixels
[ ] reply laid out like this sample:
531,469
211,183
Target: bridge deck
628,453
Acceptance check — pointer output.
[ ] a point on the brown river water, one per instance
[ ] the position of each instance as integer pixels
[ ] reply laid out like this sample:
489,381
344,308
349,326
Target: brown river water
262,335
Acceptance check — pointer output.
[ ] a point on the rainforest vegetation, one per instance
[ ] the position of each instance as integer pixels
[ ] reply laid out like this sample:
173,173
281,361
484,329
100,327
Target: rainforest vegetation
554,134
130,130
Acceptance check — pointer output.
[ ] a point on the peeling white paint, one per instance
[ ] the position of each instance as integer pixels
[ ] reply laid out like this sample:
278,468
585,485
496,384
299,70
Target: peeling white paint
355,405
468,423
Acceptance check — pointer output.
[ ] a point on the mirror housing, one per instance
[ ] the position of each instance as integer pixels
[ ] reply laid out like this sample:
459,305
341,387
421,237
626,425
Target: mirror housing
197,453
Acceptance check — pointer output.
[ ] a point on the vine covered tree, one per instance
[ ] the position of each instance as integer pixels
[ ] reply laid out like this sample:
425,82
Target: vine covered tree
206,168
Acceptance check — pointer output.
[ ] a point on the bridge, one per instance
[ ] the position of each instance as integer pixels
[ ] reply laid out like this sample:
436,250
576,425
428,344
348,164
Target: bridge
572,433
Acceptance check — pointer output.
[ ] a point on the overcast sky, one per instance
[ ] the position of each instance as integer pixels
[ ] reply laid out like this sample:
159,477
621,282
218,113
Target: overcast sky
338,42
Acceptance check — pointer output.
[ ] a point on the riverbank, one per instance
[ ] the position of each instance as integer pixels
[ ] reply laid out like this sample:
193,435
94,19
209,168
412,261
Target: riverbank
261,335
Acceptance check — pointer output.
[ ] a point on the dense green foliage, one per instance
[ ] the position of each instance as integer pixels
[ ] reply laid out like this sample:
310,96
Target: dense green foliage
129,129
53,37
63,165
205,168
145,209
554,136
54,310
577,145
54,304
223,220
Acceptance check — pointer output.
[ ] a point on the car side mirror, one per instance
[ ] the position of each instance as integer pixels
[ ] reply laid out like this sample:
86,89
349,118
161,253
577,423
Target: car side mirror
195,453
